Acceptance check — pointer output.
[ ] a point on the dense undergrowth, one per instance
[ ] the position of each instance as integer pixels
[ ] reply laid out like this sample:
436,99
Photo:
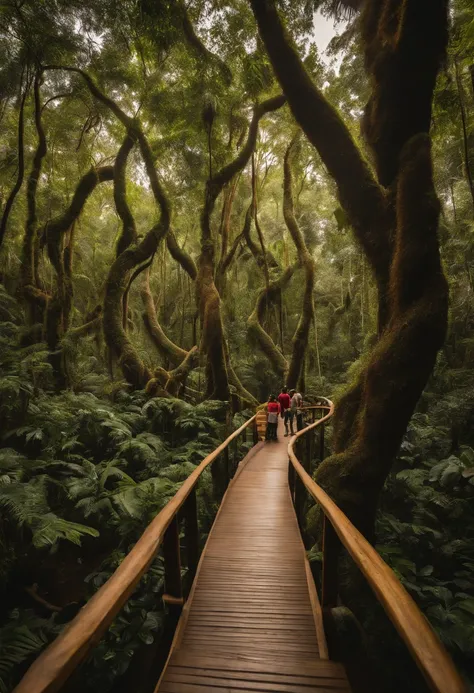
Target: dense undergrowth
82,473
425,531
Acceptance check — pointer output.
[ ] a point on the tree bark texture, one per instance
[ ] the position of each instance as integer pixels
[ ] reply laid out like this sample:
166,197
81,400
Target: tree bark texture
301,336
31,285
213,341
21,166
394,214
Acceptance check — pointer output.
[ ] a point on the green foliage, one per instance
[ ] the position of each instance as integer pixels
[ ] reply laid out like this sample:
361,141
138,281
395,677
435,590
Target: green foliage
425,532
21,638
80,468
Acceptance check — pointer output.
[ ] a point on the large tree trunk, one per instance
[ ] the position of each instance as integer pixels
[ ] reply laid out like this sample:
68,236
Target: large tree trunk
129,232
301,336
168,349
395,220
266,299
465,137
118,281
32,290
60,255
213,340
21,165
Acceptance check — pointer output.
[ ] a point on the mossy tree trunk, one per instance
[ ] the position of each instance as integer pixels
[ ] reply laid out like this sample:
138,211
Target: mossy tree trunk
31,285
129,232
268,297
169,350
136,254
301,336
21,163
60,254
213,340
394,214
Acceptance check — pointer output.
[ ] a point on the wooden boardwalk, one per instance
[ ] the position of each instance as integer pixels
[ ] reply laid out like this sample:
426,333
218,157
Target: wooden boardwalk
253,622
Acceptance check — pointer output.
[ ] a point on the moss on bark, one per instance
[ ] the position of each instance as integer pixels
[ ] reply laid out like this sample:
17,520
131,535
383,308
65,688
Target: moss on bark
301,336
60,251
30,257
21,166
213,341
165,346
267,298
395,219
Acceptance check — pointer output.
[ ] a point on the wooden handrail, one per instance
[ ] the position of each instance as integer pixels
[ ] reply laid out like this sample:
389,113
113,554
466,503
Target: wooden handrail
427,650
54,666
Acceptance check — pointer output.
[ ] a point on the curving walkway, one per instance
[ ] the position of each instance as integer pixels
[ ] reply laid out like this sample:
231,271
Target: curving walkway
253,621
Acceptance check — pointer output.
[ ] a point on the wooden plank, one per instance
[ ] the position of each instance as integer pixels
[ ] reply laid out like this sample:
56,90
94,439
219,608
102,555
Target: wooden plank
277,685
265,677
173,687
314,668
427,650
251,621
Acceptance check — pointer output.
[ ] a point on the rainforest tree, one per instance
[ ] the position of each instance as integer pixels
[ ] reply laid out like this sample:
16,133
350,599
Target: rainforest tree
196,208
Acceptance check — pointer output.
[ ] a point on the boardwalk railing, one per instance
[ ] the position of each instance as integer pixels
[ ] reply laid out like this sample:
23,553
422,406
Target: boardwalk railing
426,649
55,665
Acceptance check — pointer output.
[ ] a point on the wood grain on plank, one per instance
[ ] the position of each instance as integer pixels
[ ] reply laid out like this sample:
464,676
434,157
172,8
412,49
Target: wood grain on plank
250,622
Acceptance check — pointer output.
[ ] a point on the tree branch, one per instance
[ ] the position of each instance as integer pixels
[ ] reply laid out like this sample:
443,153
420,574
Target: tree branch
360,195
21,168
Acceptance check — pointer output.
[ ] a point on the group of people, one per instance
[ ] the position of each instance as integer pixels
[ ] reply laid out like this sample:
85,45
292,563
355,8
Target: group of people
288,405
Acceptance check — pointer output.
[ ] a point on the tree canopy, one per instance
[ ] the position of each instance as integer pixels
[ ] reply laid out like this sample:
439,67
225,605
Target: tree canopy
197,208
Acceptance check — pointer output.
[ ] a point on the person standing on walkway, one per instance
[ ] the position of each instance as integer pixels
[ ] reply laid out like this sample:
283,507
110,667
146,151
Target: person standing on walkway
273,409
284,401
299,411
296,411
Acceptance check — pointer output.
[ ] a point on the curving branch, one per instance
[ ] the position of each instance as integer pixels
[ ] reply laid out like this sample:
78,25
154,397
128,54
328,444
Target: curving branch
213,341
267,297
168,349
21,167
360,195
30,257
60,239
129,232
60,225
173,381
133,127
119,344
181,256
199,48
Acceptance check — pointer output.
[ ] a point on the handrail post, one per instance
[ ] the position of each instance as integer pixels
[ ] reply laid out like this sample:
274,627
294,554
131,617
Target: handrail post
191,533
171,553
255,431
321,443
331,545
227,470
309,452
291,480
235,454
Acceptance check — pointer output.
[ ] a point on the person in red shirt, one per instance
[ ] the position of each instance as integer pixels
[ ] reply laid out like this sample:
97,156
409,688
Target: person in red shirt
284,400
273,409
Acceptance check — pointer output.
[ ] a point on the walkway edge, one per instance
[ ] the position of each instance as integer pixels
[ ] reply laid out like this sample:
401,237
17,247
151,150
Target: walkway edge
180,628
